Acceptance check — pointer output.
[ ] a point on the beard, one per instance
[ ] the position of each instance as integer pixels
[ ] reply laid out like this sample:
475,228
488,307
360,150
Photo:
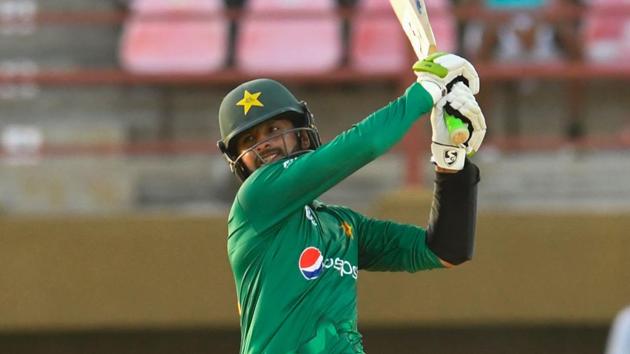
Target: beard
270,155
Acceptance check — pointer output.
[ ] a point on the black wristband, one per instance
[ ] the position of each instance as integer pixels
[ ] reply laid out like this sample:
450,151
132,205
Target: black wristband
451,229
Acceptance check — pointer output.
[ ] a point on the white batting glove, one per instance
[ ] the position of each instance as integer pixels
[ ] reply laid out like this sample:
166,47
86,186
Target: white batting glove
444,153
438,72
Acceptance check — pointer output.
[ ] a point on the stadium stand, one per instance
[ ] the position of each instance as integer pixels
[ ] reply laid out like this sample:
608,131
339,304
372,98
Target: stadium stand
175,37
378,44
289,44
173,112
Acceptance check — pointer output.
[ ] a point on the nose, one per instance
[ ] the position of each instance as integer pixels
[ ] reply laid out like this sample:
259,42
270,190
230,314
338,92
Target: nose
263,146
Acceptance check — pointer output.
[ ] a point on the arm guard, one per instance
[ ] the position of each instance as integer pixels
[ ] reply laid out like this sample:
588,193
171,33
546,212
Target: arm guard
451,229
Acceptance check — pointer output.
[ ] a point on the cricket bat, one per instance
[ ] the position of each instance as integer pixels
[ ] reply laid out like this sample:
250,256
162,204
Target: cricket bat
414,19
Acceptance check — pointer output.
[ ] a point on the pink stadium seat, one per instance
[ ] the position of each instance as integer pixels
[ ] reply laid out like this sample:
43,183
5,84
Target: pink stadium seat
608,2
444,29
607,38
157,44
377,42
379,45
607,35
291,44
170,6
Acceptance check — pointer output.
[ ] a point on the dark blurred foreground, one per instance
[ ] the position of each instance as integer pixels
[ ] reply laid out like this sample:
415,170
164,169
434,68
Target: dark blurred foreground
542,339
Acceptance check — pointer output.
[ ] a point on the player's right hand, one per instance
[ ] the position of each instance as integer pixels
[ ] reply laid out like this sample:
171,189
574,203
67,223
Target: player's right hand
445,154
438,72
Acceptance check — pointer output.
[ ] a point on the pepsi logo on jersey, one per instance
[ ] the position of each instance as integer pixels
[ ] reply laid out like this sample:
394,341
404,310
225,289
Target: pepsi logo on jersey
312,263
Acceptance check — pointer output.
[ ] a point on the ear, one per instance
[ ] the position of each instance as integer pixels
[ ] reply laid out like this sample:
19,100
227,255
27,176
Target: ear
305,142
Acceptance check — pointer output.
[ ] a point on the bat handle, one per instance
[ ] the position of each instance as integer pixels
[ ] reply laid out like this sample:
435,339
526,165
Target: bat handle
457,129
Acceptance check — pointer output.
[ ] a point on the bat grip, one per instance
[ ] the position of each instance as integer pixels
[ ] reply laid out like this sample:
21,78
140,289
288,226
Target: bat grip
458,131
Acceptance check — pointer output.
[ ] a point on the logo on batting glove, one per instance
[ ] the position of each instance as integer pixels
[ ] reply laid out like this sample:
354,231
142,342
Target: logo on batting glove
450,157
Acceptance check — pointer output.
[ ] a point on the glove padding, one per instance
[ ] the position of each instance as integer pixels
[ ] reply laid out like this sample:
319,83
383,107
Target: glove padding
444,153
438,71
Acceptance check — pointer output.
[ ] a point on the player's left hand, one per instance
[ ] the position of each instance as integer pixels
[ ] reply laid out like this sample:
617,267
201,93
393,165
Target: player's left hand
438,72
444,154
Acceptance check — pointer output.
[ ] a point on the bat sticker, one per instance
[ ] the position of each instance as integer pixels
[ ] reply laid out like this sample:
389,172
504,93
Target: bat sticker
419,6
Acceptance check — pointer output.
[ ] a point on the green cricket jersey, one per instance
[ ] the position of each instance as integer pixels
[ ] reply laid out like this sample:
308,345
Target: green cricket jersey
295,260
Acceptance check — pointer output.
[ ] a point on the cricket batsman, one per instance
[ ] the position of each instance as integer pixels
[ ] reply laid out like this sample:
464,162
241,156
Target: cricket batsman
295,259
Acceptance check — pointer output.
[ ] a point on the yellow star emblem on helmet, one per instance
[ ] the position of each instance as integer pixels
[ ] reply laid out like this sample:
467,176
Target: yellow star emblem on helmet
249,100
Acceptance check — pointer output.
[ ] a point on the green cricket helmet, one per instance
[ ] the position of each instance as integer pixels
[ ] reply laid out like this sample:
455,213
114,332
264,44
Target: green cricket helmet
255,102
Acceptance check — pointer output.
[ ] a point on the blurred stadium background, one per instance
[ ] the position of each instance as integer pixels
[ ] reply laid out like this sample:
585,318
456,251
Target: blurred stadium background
113,197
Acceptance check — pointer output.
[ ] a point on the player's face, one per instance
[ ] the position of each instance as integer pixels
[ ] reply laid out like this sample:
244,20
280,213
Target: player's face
267,142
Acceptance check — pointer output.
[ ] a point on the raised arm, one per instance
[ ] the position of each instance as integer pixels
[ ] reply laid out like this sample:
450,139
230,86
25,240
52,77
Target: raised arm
302,179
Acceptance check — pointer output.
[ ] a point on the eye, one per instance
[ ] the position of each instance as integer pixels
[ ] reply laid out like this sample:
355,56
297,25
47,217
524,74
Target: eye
247,141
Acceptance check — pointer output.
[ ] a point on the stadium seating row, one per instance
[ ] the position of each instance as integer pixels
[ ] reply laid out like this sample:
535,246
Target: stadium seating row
265,43
193,36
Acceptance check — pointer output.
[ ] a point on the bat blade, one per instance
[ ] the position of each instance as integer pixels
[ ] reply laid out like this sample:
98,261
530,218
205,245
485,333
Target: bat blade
414,19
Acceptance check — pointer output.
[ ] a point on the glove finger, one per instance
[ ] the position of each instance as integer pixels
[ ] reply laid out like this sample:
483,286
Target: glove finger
461,92
458,66
438,108
457,104
461,88
465,104
479,131
471,115
478,121
476,118
471,110
468,72
473,78
475,141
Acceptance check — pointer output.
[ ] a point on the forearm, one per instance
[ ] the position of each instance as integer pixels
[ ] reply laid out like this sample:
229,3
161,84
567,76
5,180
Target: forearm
451,229
389,124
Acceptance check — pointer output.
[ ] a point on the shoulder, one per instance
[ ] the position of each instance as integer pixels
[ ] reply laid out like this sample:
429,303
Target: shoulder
343,212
